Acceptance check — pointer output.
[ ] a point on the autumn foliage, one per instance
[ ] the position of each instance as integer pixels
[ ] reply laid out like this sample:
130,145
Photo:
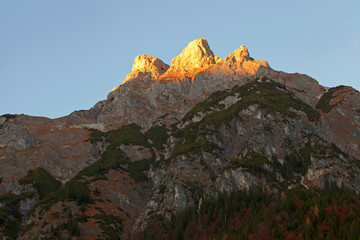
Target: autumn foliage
332,213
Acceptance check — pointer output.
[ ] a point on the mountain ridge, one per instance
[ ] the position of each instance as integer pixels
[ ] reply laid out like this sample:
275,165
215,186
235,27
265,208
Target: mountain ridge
170,136
196,58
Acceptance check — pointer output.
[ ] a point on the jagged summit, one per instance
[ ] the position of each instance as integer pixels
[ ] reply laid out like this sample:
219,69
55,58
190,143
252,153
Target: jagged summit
239,54
146,66
240,62
195,58
146,63
197,54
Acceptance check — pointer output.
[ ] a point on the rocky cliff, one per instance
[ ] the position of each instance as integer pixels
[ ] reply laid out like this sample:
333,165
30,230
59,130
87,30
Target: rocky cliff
169,137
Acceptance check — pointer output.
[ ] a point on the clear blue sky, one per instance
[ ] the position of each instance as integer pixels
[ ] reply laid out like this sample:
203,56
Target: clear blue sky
61,56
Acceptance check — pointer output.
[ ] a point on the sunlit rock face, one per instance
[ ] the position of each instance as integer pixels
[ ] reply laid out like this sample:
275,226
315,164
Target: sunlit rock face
197,54
146,66
235,66
194,58
240,62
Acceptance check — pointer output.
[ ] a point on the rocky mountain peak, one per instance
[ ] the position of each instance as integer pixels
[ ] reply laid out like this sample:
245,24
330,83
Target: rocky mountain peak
146,66
239,55
149,64
240,63
197,55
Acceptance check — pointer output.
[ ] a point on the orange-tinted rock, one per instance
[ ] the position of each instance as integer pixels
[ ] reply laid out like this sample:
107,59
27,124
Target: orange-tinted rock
196,56
145,66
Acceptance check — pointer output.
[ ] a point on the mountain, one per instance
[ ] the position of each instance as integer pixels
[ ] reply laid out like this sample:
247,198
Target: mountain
171,138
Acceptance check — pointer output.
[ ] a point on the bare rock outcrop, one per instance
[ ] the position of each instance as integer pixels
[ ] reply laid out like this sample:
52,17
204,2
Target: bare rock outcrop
196,57
29,142
241,63
146,66
235,66
303,86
